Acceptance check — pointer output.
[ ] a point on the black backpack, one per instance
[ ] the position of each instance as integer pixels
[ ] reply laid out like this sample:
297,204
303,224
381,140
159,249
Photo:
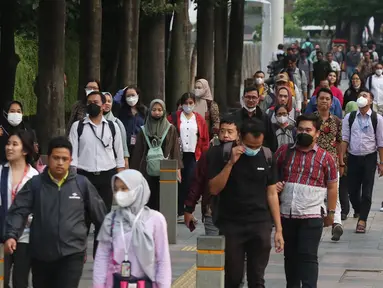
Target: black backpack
80,129
374,120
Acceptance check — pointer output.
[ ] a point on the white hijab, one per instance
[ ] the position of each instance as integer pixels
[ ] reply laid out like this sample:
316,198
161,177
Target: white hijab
142,239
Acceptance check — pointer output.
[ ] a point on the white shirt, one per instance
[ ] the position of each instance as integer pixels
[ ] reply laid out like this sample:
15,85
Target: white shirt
31,172
376,88
335,66
188,131
89,153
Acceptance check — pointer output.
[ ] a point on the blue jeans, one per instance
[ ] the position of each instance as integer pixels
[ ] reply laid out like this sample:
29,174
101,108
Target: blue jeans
210,228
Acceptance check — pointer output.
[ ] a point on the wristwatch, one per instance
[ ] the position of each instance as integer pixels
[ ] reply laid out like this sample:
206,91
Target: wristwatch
330,212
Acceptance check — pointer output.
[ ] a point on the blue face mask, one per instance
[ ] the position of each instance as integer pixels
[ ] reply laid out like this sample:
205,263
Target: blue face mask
251,152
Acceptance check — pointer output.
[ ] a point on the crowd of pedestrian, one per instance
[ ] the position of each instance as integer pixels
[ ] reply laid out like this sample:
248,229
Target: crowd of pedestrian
291,158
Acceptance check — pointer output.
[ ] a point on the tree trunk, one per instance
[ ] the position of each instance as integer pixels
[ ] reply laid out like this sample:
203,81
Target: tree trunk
205,40
179,60
354,33
129,47
8,58
193,65
151,60
234,61
220,54
51,100
90,43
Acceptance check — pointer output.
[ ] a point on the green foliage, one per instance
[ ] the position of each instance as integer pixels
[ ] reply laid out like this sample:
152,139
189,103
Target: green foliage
292,29
156,7
26,73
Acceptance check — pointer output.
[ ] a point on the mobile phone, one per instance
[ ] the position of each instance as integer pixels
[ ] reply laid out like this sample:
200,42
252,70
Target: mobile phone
191,226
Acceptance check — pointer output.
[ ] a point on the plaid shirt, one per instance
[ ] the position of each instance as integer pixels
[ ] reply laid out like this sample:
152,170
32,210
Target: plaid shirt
306,175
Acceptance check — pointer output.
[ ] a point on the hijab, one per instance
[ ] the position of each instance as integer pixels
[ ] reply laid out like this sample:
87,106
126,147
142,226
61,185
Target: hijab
156,128
201,104
142,241
290,99
351,106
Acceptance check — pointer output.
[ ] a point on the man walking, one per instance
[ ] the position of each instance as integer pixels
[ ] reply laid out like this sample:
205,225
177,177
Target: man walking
60,201
374,83
247,195
321,69
308,173
362,135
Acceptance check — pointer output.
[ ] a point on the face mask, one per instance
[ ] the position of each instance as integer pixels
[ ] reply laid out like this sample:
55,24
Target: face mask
132,100
358,50
251,152
198,92
88,91
304,139
362,102
379,72
14,118
356,86
259,81
93,109
125,199
188,109
282,119
156,118
250,109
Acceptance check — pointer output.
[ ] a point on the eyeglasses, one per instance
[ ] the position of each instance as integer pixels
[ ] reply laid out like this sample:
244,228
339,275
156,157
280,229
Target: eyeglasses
251,98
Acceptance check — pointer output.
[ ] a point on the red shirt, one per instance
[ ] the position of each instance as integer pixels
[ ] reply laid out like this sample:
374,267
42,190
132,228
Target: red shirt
336,92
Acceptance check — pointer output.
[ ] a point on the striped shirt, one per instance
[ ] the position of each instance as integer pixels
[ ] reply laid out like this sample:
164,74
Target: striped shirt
306,175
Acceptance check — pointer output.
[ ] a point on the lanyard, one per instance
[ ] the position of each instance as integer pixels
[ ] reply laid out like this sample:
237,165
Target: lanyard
102,134
14,191
126,248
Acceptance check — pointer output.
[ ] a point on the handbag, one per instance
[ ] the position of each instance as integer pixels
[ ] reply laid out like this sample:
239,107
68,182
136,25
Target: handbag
124,279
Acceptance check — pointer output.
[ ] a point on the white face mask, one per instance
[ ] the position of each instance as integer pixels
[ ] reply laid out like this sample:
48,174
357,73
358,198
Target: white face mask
362,102
259,81
198,92
14,118
379,72
125,199
250,109
88,91
282,119
132,100
188,109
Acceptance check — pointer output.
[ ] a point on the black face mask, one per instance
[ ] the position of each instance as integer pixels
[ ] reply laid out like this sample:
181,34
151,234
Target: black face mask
304,139
157,118
93,109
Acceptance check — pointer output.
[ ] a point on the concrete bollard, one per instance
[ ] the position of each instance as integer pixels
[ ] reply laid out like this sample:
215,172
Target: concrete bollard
210,262
169,196
1,265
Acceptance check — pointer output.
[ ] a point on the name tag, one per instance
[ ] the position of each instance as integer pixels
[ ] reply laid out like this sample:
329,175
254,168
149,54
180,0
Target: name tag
260,168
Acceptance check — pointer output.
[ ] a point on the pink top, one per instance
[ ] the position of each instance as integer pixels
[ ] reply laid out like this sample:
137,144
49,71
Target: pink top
104,266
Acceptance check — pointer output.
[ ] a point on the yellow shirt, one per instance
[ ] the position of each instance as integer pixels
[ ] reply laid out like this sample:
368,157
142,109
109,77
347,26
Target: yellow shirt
61,182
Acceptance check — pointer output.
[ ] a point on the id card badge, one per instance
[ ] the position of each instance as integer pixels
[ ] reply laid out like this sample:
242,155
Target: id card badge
133,140
126,269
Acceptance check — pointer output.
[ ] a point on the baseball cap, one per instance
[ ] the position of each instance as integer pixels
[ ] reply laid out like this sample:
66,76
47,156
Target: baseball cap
282,78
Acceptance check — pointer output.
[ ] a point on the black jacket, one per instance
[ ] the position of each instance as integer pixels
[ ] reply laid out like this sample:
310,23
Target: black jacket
351,94
270,141
58,227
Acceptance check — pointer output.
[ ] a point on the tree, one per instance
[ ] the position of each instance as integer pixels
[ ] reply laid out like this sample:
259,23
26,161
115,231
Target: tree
179,58
90,43
205,40
129,38
220,53
50,83
234,61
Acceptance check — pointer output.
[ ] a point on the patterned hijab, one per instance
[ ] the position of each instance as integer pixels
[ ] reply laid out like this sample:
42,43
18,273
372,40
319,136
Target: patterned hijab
155,128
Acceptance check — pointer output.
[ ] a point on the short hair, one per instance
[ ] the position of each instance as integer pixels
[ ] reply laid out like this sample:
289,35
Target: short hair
280,46
376,65
250,89
59,142
290,49
366,91
325,90
329,53
279,107
26,139
259,72
310,117
186,96
103,97
319,53
229,119
292,58
254,127
14,102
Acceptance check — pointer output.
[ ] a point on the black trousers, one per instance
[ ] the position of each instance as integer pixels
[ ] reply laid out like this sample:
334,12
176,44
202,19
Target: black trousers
361,173
252,240
302,237
154,199
343,195
63,273
102,182
187,172
21,262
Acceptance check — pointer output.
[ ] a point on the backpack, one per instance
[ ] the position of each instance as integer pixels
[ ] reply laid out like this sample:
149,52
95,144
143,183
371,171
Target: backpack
155,153
80,181
374,120
226,153
80,129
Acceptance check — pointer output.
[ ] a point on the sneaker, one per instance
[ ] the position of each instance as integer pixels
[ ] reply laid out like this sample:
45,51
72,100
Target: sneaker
337,232
180,219
381,209
344,217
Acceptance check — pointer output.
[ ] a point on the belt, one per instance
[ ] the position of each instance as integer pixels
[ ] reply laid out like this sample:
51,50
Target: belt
97,172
